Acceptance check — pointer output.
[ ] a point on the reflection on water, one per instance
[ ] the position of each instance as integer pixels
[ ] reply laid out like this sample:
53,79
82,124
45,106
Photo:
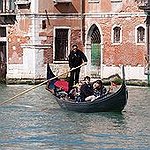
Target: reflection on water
35,121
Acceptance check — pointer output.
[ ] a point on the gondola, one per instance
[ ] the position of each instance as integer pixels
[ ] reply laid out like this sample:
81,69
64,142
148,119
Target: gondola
114,102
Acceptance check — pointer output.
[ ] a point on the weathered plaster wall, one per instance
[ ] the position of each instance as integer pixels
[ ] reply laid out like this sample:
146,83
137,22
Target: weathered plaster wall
30,47
126,15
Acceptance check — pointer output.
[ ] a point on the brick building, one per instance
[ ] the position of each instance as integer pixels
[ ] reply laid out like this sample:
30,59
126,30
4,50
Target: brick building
110,32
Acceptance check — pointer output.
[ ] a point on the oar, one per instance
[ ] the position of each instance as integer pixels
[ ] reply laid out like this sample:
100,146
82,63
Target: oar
12,98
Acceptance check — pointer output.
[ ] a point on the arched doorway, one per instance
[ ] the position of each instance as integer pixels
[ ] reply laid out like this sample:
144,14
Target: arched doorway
93,50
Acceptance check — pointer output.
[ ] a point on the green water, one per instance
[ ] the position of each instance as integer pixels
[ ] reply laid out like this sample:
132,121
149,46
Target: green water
35,121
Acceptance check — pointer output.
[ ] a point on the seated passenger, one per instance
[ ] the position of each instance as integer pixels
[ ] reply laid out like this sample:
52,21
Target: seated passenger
75,91
60,93
98,91
86,89
50,86
113,86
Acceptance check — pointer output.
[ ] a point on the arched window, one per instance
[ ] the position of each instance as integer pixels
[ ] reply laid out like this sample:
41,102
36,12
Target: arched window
140,35
116,35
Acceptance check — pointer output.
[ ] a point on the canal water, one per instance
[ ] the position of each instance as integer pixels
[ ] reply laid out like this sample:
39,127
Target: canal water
34,121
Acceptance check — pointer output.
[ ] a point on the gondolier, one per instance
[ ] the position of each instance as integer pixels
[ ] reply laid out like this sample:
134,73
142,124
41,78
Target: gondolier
76,58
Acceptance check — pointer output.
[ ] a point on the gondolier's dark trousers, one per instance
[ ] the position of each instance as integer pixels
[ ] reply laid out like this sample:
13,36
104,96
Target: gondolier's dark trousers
74,78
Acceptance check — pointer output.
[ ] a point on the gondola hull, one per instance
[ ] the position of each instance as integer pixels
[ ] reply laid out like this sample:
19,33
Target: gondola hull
114,102
110,103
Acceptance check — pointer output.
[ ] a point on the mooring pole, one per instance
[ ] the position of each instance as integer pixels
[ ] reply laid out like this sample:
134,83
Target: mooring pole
148,40
148,45
148,48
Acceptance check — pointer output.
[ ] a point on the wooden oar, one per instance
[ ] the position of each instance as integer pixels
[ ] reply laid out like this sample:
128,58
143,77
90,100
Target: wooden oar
12,98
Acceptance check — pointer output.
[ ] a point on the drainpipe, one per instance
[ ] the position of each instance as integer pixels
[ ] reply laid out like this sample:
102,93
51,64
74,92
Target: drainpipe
5,6
35,22
81,4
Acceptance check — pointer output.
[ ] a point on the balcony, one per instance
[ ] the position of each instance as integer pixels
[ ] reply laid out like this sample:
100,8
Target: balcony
23,4
62,1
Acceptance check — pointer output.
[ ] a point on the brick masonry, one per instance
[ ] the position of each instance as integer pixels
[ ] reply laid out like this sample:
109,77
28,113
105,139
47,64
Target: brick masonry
30,47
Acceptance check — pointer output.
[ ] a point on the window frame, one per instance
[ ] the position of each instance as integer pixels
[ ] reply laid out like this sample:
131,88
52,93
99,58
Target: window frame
136,34
113,34
7,6
54,47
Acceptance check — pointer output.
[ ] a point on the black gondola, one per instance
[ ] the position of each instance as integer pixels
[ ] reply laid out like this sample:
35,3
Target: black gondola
114,102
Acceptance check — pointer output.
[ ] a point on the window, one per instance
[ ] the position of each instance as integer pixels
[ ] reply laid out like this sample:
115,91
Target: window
43,24
1,6
2,31
140,35
62,1
116,35
7,5
93,1
116,1
23,4
116,5
12,5
61,44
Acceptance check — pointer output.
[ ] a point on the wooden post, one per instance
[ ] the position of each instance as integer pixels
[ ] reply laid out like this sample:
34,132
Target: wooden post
148,47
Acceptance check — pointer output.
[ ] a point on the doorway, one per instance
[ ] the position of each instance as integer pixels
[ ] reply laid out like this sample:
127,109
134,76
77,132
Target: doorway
3,59
94,51
61,44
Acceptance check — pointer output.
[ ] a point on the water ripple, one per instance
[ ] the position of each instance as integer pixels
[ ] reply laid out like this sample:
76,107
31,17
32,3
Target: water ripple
35,121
